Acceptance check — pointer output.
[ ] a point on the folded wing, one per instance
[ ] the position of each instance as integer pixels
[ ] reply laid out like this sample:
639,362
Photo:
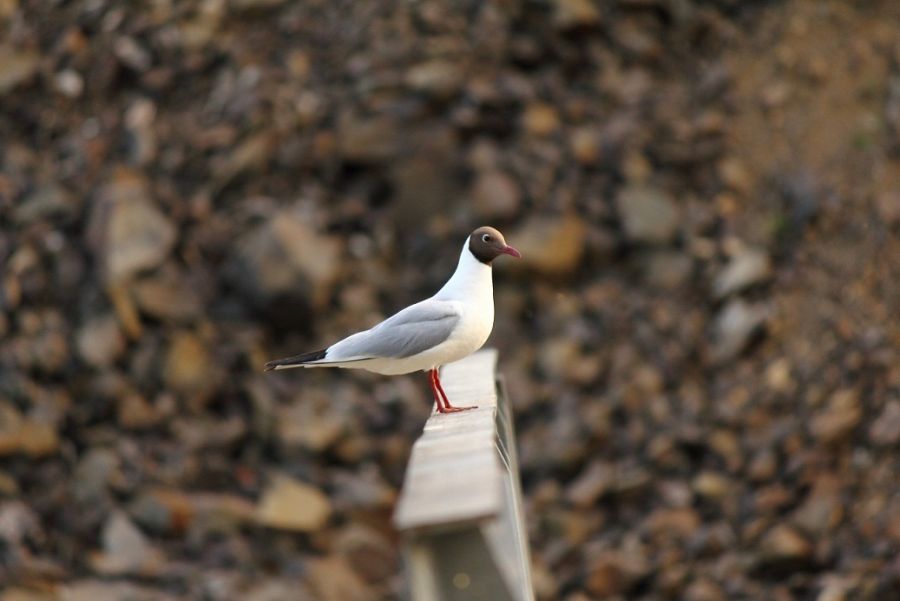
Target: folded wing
413,330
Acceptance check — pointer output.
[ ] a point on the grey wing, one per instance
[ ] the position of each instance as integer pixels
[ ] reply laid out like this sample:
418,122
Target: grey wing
411,331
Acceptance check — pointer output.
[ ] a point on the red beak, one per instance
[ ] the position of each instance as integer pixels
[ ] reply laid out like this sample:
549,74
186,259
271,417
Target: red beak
512,252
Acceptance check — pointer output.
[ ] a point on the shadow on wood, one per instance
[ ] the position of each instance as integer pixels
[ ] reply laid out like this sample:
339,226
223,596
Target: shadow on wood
460,510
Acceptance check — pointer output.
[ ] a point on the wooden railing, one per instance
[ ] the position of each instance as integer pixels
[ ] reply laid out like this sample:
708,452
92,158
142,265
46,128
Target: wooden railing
460,511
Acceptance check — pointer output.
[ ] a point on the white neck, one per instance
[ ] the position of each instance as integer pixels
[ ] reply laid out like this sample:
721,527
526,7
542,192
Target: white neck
471,280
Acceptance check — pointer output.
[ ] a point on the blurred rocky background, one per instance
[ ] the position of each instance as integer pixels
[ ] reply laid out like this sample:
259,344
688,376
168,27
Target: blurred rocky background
702,343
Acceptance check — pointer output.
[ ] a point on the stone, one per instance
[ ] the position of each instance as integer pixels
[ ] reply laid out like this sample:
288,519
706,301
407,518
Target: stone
188,367
585,145
496,195
712,485
747,268
885,430
130,231
823,508
96,472
612,573
572,14
16,67
334,580
289,504
370,553
168,296
595,480
704,589
285,256
303,426
437,77
551,246
103,590
540,119
100,342
784,543
47,201
126,550
649,215
21,434
667,269
839,419
367,140
888,206
678,523
734,327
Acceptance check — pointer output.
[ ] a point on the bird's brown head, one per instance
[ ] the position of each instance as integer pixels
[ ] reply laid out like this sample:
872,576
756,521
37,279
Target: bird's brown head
486,244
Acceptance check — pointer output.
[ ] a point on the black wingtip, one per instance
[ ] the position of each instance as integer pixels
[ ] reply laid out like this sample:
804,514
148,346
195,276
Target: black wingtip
295,360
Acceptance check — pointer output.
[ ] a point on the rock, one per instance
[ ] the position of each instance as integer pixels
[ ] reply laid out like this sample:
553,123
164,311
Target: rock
188,367
540,119
783,544
20,434
585,145
551,246
888,205
572,14
437,77
712,485
132,54
100,342
69,82
496,195
679,524
667,270
288,504
371,140
278,590
823,508
649,215
126,550
102,590
836,422
885,430
595,480
372,556
734,328
334,580
96,472
704,590
285,257
304,426
612,573
47,201
749,267
130,232
168,296
255,4
16,67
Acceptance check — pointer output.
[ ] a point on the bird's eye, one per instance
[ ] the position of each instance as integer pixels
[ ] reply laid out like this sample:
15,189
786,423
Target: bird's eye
486,238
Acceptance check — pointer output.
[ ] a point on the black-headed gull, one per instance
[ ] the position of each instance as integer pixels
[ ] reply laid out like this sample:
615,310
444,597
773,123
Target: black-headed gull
450,325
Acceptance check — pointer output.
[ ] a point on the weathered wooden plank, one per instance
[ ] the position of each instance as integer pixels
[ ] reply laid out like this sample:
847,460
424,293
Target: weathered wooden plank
453,473
460,510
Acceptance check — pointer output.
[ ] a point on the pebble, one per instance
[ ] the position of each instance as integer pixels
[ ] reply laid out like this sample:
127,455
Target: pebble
749,267
570,14
134,233
496,195
126,550
551,246
612,573
649,215
437,78
100,342
783,544
837,421
289,504
596,479
734,327
16,67
885,429
188,366
333,579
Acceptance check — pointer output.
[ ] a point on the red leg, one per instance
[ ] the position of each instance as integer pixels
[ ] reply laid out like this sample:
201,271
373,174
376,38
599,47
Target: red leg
432,379
448,408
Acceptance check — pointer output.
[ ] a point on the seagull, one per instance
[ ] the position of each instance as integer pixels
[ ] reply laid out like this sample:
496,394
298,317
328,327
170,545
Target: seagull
452,324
